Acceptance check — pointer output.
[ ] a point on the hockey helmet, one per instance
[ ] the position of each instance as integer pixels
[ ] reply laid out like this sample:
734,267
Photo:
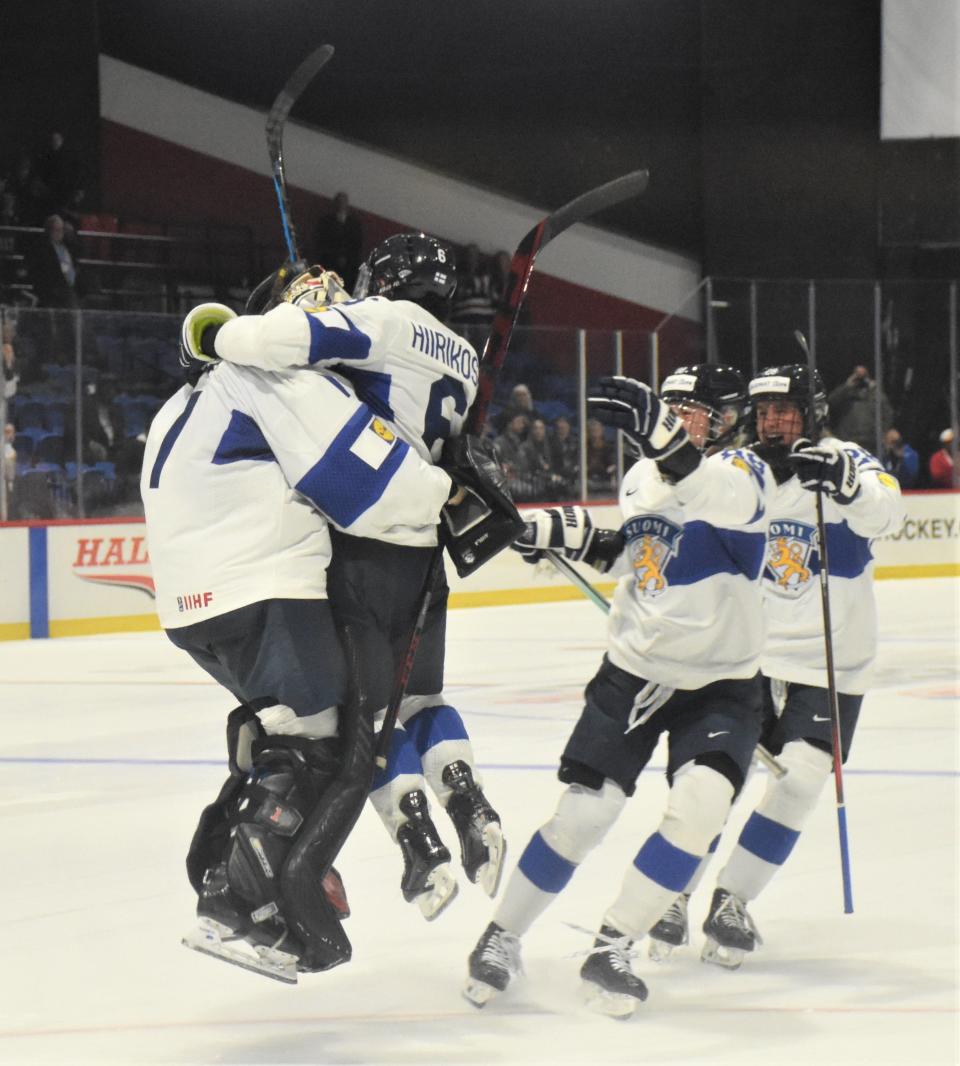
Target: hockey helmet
720,390
410,266
791,382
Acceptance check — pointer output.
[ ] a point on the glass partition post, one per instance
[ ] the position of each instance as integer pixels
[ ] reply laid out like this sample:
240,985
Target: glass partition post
78,409
582,407
711,325
618,370
754,348
879,427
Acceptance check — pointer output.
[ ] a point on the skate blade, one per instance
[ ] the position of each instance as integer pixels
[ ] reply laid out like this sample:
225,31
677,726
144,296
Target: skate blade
441,891
660,950
491,872
612,1004
728,958
479,993
209,939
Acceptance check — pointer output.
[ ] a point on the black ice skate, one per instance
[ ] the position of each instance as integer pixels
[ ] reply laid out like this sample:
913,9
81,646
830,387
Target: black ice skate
482,847
609,983
492,963
672,931
427,878
254,943
730,931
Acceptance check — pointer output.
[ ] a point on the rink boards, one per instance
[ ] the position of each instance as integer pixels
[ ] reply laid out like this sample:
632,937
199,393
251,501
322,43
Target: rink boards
71,578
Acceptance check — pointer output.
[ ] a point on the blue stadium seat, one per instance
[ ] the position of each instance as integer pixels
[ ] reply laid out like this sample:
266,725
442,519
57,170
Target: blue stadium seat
48,449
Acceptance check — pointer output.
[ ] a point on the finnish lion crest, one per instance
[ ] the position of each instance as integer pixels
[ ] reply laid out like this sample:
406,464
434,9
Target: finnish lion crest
790,551
653,542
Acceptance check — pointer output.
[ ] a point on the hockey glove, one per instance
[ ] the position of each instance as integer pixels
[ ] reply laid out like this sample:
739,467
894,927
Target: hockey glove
658,433
199,331
828,466
482,519
568,530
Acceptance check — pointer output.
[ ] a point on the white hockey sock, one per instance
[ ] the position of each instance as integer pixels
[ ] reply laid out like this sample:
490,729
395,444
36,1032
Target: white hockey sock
771,832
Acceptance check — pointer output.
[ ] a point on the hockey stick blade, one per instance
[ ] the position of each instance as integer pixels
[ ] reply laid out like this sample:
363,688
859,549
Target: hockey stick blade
276,121
521,268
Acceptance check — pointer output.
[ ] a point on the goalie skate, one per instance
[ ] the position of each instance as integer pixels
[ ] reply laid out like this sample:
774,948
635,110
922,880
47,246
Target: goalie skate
609,984
730,931
482,846
219,941
672,931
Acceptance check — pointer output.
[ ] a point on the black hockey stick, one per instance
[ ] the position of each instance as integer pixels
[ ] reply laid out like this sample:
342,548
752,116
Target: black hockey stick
492,359
828,643
276,120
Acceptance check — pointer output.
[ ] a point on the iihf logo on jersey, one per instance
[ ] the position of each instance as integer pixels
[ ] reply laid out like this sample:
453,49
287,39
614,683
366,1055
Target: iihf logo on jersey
790,548
653,542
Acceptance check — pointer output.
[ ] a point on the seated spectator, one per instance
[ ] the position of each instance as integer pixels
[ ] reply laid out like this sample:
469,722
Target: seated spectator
943,475
899,459
508,448
473,301
9,458
520,403
537,460
853,409
11,376
601,460
565,456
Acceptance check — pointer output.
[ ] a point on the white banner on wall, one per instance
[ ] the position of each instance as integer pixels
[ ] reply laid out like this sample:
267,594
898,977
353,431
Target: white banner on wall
68,579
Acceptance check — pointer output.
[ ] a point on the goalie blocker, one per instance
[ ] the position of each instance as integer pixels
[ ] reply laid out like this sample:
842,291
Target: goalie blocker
480,519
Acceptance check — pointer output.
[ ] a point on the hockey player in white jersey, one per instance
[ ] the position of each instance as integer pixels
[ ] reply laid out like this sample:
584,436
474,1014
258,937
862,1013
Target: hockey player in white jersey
684,639
391,343
238,467
861,502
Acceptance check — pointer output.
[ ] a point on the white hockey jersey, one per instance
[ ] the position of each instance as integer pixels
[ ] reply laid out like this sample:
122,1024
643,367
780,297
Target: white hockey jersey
401,360
791,580
689,610
234,469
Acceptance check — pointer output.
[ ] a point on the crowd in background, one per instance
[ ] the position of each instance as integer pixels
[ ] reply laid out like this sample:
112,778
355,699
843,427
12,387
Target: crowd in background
537,442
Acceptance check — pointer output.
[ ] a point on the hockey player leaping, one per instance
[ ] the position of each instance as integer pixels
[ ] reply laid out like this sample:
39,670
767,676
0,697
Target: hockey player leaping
861,502
683,645
392,345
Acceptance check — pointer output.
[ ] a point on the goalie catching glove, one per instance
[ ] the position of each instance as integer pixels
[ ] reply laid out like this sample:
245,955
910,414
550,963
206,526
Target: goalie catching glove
199,332
827,466
569,531
480,519
658,432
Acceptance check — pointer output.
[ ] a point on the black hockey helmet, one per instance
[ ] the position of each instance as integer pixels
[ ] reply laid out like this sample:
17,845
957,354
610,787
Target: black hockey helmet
791,381
721,390
410,266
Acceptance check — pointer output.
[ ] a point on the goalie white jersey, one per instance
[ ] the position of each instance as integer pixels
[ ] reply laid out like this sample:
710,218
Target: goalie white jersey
402,361
795,648
688,612
235,471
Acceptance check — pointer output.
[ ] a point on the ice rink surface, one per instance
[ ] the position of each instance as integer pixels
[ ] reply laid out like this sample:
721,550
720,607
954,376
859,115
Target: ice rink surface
111,746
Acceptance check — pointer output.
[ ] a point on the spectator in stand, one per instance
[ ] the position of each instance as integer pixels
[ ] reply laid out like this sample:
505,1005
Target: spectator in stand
9,456
899,459
537,459
508,448
11,377
58,174
473,301
853,410
943,474
565,453
52,267
26,189
601,460
337,239
520,403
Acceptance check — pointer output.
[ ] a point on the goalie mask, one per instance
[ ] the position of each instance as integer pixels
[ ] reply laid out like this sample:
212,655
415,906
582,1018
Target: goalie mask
309,290
410,266
718,390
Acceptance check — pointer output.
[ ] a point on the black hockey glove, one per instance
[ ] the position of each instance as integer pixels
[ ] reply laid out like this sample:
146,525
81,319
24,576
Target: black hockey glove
484,519
777,456
658,433
828,466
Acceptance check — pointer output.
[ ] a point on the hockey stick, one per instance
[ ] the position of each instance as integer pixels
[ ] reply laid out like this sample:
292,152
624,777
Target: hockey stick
492,359
575,577
828,645
276,120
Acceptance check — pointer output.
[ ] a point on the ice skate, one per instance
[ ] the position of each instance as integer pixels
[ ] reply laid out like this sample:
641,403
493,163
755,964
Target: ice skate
224,933
730,931
610,986
492,963
427,878
672,931
482,847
